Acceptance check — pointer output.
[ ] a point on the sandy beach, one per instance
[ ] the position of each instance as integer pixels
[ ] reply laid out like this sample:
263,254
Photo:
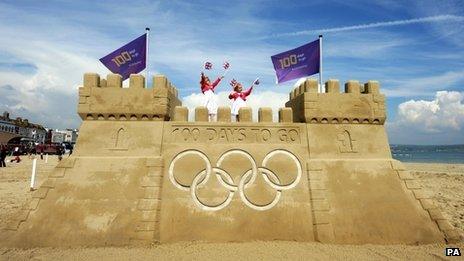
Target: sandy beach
444,181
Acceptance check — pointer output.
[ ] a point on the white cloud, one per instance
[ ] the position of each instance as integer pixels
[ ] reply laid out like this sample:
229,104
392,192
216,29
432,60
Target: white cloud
424,86
451,31
440,115
58,73
272,99
71,46
429,19
184,34
365,45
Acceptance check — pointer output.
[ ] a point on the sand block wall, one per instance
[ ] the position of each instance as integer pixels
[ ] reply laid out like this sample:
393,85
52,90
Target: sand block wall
142,173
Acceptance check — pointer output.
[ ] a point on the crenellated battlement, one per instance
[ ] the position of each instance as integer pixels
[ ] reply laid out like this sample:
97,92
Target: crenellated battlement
142,173
245,114
358,104
106,99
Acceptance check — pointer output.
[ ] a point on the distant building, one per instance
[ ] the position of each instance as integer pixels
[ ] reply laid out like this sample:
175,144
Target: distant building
71,136
8,127
68,135
57,137
13,130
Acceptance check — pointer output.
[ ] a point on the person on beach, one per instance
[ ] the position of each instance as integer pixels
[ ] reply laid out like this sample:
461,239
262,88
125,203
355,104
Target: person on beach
239,97
207,88
16,154
3,154
32,152
41,149
59,151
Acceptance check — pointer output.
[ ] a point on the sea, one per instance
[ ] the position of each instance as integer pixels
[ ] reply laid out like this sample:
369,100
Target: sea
429,153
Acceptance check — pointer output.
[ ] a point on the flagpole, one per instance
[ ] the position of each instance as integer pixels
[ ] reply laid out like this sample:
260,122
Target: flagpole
320,63
147,31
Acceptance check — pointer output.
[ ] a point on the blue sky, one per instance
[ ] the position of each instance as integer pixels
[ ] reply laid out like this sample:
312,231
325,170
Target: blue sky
414,48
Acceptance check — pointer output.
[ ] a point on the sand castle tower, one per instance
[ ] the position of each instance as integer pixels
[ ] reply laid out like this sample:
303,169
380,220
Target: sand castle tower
142,173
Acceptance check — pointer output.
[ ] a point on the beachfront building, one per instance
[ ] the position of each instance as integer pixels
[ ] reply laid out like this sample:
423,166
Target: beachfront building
7,127
71,135
13,130
68,135
57,137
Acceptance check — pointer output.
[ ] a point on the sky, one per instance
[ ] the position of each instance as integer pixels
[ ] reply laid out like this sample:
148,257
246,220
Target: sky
415,49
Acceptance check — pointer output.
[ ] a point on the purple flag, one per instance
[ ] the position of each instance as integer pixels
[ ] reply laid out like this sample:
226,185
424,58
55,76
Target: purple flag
131,58
296,63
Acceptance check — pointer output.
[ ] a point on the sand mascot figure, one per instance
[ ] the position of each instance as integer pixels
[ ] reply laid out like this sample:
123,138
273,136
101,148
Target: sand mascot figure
239,96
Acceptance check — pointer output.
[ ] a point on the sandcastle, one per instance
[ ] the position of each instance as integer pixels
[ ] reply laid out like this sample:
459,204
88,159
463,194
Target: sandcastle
142,173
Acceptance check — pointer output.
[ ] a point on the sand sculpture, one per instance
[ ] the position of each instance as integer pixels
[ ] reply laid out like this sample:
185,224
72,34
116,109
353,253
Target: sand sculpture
142,173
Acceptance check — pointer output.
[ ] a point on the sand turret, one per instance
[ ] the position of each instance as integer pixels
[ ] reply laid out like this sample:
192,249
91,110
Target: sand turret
142,172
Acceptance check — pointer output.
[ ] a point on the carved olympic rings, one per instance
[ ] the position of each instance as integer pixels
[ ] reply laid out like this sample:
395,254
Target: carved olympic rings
227,182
